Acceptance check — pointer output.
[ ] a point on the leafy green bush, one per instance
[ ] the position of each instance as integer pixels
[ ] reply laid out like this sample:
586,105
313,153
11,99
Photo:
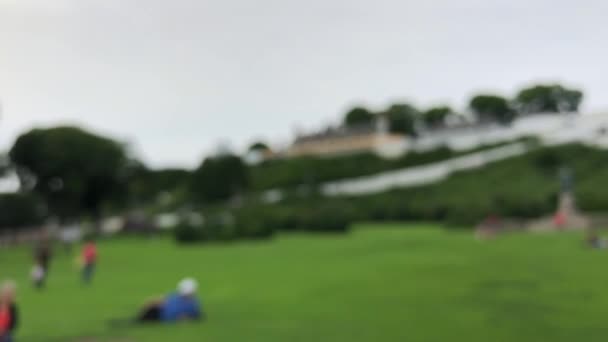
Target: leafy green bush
189,233
330,218
221,227
254,223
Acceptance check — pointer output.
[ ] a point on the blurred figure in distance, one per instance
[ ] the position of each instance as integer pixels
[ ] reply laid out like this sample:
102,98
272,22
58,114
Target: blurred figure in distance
89,261
42,258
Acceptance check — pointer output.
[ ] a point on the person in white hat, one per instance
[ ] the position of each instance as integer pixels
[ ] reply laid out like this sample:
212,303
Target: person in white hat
178,306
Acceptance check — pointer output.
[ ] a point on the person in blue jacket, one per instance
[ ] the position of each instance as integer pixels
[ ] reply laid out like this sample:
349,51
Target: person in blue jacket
182,305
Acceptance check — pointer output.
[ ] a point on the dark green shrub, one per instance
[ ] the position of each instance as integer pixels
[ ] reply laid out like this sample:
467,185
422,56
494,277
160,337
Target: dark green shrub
189,233
254,224
330,217
221,227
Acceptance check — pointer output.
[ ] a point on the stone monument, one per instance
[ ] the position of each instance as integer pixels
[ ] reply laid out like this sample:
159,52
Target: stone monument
567,215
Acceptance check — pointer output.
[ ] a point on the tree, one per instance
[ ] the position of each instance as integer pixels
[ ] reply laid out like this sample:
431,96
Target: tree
358,116
220,178
551,98
148,186
259,146
492,108
20,210
5,165
435,117
402,118
74,171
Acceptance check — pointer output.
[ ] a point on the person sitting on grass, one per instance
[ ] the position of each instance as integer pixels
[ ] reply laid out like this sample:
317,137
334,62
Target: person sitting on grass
182,305
9,317
594,240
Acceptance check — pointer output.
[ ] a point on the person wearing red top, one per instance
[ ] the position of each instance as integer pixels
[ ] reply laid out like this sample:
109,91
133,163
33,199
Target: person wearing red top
89,257
8,312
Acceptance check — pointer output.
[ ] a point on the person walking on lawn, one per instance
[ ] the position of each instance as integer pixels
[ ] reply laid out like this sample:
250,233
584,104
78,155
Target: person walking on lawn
89,260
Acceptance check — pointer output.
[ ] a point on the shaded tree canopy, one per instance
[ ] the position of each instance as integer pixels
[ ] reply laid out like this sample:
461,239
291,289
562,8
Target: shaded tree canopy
402,118
147,185
5,164
220,178
259,146
73,170
435,117
548,98
358,116
492,108
20,210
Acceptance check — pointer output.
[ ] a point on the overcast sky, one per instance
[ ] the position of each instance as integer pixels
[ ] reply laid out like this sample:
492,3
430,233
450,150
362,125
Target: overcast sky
174,78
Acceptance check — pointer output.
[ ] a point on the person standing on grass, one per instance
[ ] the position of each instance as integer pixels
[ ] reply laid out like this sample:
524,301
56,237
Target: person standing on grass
42,258
89,259
37,275
9,317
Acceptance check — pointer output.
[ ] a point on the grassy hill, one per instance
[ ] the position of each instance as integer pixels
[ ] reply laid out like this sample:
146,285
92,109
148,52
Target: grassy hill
286,173
378,283
526,186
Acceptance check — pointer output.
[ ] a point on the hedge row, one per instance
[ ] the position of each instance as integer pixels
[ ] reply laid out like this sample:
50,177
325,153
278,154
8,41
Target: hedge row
261,222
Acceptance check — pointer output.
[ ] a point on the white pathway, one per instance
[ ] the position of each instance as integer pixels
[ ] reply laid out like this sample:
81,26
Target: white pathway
413,176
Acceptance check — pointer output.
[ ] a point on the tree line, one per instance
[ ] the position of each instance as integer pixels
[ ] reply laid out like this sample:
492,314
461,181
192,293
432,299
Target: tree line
407,119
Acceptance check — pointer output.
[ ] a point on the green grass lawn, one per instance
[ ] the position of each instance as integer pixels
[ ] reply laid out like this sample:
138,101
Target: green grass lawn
379,283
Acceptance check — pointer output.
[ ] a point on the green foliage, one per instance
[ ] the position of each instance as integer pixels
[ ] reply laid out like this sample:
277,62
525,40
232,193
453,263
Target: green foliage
259,146
20,210
358,116
519,187
435,117
220,178
5,165
187,232
548,98
242,224
147,186
281,173
492,108
263,221
402,118
73,170
255,223
327,218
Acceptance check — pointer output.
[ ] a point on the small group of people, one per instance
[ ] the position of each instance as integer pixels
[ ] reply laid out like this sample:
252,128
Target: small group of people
180,305
42,260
